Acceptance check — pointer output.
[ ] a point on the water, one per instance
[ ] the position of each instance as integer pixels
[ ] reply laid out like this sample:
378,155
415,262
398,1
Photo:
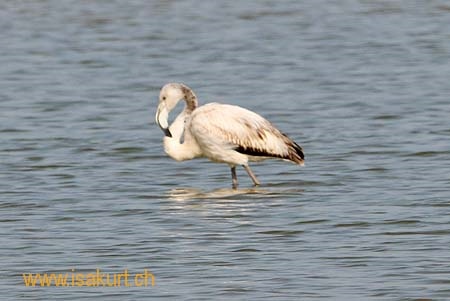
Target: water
85,184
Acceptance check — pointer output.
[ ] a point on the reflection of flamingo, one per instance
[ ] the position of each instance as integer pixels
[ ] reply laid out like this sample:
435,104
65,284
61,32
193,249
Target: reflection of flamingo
223,133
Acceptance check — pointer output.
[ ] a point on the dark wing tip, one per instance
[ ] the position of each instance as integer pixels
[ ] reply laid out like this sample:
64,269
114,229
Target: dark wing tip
299,150
296,153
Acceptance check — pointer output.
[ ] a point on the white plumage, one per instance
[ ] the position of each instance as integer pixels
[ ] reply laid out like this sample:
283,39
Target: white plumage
221,132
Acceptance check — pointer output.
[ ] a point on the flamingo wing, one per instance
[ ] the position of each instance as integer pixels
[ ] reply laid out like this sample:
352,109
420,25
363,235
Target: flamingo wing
244,131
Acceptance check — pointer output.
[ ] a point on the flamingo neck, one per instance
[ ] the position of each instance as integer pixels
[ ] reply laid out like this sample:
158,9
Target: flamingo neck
190,98
182,146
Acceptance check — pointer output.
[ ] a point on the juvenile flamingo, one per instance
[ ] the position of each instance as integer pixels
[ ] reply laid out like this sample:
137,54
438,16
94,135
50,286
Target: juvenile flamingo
220,132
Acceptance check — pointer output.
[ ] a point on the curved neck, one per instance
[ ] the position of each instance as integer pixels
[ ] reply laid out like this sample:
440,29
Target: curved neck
189,98
182,146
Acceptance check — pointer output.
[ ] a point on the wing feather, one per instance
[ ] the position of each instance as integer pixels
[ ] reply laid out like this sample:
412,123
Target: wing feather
244,131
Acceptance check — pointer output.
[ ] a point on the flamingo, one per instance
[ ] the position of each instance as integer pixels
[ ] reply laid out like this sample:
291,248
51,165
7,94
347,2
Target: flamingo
222,133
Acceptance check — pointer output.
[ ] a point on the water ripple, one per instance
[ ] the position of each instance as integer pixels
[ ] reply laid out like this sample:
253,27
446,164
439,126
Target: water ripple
85,182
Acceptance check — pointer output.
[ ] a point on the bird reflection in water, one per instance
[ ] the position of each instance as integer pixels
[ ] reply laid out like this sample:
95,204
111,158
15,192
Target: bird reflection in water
185,194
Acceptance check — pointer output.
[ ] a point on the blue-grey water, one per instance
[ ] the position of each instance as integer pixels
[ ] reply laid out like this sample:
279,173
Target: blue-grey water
363,86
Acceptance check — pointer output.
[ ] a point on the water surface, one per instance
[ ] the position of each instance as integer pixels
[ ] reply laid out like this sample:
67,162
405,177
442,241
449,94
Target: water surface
85,184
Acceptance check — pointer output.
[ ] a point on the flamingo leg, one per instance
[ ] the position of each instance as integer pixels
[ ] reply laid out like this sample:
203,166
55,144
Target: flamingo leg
251,175
234,177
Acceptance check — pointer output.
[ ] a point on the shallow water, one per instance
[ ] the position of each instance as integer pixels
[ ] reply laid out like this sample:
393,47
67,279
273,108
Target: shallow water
85,184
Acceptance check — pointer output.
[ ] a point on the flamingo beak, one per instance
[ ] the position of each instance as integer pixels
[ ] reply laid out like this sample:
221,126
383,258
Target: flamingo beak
162,117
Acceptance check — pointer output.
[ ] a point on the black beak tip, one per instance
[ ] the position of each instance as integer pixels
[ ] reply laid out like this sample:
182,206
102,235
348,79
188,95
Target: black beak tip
167,133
